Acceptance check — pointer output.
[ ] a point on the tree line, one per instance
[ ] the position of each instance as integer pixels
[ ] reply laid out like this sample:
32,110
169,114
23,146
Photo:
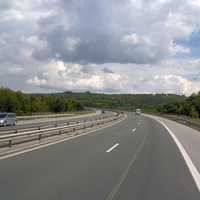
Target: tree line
190,107
130,102
22,104
162,103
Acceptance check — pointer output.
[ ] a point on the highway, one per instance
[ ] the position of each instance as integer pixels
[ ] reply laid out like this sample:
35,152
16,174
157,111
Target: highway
23,124
134,159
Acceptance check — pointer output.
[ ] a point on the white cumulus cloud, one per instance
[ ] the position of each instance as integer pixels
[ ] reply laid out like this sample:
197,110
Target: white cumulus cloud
100,45
69,76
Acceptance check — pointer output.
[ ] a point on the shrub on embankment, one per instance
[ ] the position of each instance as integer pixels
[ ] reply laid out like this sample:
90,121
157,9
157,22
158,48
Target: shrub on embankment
22,104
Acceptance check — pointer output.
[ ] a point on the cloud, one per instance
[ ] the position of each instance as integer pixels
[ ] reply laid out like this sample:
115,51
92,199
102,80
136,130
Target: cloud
129,31
57,75
100,31
175,49
171,83
69,76
72,44
135,39
99,45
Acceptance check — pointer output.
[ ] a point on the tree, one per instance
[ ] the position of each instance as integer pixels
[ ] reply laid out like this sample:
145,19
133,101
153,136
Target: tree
58,105
185,108
194,113
74,105
8,101
21,103
171,108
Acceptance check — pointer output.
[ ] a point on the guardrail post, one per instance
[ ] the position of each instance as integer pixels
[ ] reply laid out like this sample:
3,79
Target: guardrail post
10,143
39,134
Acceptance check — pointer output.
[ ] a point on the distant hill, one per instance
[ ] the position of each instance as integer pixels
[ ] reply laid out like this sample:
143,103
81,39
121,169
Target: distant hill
22,103
148,102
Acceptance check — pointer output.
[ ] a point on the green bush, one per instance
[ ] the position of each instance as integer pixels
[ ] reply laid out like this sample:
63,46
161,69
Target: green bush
22,104
188,107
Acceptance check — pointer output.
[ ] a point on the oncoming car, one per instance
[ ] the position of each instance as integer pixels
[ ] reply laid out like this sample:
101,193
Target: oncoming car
8,119
103,111
138,111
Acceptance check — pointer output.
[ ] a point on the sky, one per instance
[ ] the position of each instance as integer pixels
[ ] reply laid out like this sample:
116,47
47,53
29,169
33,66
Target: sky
104,46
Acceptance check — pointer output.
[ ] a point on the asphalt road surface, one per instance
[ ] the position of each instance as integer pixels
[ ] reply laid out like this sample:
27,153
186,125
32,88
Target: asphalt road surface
134,159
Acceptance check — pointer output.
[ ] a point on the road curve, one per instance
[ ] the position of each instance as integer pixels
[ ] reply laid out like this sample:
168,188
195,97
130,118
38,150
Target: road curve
48,121
135,159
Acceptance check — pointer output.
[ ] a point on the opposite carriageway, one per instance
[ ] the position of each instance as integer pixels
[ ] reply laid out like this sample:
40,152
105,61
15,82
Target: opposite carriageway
69,128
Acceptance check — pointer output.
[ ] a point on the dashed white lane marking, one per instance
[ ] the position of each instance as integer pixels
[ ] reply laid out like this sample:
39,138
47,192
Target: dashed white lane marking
134,129
125,173
113,147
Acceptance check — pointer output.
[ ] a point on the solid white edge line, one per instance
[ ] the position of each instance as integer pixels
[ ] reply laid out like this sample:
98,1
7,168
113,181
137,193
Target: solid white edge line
55,142
193,170
113,147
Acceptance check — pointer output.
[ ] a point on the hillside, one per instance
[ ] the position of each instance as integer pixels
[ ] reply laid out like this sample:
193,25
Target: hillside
148,102
22,103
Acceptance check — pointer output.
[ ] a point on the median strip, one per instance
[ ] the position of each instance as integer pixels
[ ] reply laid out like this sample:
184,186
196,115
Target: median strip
17,138
113,147
8,152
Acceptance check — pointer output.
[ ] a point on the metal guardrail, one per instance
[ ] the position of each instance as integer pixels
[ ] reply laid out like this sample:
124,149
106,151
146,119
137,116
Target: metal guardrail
56,124
16,138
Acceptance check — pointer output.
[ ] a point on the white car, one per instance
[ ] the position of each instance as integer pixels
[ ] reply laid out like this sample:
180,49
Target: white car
138,111
8,119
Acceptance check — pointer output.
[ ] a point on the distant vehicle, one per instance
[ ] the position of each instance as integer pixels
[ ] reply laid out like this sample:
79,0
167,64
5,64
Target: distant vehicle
7,119
138,111
103,111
